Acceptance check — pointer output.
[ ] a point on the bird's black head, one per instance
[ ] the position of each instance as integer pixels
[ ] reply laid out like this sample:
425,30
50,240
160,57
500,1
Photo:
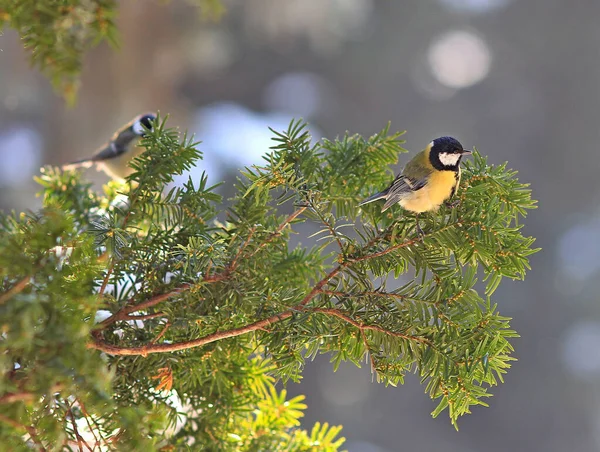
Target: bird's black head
445,153
142,121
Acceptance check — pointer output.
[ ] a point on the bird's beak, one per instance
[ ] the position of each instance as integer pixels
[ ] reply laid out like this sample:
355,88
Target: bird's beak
467,152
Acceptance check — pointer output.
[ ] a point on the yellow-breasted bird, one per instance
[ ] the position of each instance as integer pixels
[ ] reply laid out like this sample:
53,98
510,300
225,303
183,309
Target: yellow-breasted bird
429,179
114,156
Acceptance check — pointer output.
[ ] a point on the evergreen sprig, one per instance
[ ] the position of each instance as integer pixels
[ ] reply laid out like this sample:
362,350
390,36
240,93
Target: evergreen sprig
146,319
58,33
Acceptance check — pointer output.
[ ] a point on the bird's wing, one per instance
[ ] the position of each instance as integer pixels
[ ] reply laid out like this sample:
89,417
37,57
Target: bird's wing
401,186
111,150
106,152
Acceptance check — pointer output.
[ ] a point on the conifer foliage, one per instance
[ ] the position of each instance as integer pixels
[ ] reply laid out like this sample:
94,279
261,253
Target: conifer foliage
57,33
149,316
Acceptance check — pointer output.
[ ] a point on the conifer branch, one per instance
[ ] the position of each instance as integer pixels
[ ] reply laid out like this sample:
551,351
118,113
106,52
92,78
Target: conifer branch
124,313
204,282
100,345
346,318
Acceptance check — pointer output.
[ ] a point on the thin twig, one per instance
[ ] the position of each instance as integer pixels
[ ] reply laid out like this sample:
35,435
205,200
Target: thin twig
17,288
80,440
233,265
87,418
279,229
368,351
329,227
388,250
351,321
16,397
162,333
145,316
375,293
107,277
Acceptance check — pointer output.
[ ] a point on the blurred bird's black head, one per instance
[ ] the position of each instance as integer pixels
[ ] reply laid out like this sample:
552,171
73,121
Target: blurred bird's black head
143,123
445,153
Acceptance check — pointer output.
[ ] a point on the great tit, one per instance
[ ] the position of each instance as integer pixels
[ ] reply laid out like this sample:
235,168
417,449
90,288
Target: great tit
114,156
429,179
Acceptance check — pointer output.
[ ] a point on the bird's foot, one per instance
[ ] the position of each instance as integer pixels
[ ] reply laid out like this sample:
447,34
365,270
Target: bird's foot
419,230
452,204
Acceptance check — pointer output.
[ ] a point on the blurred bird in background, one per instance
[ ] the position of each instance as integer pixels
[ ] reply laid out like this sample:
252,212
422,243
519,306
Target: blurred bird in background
114,156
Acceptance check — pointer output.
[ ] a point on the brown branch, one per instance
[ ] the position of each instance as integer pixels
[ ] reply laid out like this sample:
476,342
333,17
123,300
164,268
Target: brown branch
17,397
123,313
259,325
165,348
26,396
14,290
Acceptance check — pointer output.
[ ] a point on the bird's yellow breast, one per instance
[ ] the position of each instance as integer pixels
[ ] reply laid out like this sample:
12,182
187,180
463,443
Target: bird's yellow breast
118,167
438,189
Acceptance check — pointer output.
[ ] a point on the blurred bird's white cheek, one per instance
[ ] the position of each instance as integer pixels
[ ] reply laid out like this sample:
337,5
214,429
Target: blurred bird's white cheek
138,129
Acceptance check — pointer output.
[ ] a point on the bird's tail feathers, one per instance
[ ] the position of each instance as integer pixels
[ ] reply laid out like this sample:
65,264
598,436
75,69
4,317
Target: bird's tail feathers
375,197
85,163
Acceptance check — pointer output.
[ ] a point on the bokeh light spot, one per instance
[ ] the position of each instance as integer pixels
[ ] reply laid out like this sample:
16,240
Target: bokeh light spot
580,351
20,154
459,59
474,6
349,386
579,251
296,93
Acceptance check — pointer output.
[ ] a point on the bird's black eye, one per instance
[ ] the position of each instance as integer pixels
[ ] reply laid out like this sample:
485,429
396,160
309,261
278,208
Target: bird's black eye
147,121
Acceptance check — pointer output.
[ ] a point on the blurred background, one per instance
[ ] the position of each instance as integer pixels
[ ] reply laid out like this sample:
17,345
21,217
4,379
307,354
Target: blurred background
518,79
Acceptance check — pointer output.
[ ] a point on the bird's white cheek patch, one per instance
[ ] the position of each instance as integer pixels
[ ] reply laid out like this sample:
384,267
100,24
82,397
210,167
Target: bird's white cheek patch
138,129
449,159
